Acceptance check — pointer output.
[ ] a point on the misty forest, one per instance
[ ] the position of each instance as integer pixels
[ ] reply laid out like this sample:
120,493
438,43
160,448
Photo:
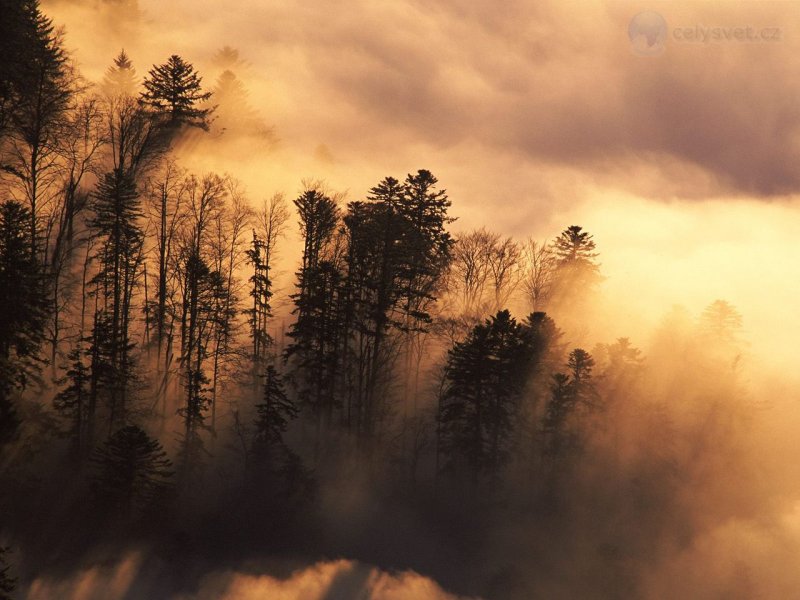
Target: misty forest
198,379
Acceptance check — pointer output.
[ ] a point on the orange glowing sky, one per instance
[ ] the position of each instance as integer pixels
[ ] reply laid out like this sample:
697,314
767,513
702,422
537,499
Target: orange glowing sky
534,117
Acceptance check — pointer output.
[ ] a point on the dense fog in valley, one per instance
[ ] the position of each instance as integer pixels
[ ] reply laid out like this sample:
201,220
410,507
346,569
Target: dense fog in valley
309,304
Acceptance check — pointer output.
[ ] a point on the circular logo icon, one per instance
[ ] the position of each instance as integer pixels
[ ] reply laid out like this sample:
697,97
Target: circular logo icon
648,34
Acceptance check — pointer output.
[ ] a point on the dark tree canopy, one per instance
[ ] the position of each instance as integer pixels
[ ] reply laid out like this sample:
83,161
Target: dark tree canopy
8,583
72,402
133,470
574,245
274,413
21,297
576,272
572,393
485,376
174,90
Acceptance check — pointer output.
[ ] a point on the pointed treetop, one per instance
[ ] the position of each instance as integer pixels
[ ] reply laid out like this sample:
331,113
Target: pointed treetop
226,58
120,78
122,61
174,90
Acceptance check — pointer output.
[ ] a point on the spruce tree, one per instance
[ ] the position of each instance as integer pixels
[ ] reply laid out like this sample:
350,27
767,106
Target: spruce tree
40,89
274,414
120,78
174,90
485,376
21,292
133,471
428,245
313,352
558,438
22,312
721,322
72,402
116,224
576,273
573,394
234,114
261,293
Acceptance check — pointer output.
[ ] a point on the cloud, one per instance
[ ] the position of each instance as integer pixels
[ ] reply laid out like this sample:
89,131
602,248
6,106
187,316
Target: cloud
323,581
552,90
333,580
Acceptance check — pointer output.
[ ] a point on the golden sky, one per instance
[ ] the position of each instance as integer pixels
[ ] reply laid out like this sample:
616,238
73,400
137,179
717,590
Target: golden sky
534,116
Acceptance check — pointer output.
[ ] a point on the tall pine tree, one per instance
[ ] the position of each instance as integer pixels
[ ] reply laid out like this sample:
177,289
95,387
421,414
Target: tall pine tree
174,90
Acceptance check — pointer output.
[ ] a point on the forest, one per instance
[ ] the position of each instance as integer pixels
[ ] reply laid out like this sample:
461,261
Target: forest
420,397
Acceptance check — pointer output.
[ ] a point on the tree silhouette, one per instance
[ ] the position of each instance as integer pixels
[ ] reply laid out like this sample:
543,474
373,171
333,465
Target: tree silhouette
558,438
116,223
484,379
574,245
576,272
538,271
261,256
570,394
203,312
485,263
624,364
312,354
7,583
21,293
580,364
174,90
234,114
721,321
22,315
428,245
42,86
226,58
274,414
133,470
120,78
72,402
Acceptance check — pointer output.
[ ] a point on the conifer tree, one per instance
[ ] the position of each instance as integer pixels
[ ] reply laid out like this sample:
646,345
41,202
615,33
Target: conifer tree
572,394
485,376
116,223
270,226
312,354
120,78
72,402
234,114
558,438
428,244
40,91
174,90
721,322
21,292
274,414
260,292
576,271
133,471
22,312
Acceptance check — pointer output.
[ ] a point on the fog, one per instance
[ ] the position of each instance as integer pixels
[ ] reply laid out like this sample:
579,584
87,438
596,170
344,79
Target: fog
534,118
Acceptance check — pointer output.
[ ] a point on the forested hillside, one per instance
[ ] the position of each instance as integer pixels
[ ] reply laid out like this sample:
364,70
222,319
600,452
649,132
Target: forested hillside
422,396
